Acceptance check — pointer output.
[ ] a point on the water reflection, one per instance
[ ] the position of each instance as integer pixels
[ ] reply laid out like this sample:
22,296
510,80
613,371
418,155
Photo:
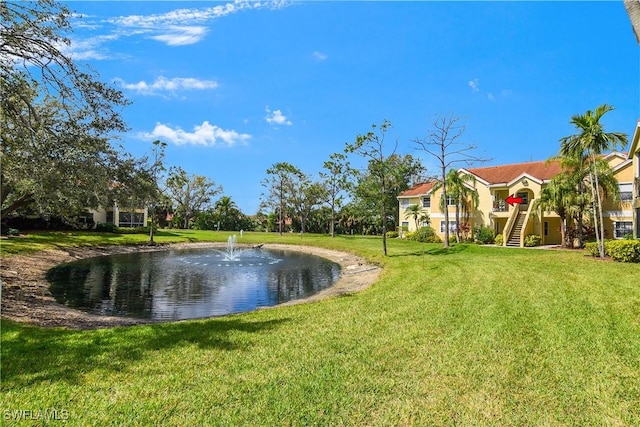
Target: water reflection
172,285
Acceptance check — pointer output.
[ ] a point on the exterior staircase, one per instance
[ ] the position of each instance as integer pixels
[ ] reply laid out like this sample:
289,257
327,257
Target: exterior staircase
514,238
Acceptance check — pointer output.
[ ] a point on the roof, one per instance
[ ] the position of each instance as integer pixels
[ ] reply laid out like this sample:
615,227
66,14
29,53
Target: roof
542,170
419,189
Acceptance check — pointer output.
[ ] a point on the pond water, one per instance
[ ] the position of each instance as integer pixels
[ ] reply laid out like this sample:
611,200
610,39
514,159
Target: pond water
187,284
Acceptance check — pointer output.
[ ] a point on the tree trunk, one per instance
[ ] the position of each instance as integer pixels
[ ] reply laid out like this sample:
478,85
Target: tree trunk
633,10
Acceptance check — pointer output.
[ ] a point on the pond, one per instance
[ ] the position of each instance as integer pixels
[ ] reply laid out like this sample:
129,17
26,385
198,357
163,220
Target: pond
189,283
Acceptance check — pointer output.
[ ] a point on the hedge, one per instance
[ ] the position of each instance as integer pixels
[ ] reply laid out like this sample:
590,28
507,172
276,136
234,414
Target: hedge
618,250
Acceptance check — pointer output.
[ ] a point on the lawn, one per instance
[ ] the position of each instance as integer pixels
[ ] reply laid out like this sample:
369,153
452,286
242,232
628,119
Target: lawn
472,335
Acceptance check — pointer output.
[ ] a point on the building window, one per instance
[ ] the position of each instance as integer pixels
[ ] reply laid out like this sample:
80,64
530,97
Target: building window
426,202
626,192
405,203
622,228
453,225
546,228
131,219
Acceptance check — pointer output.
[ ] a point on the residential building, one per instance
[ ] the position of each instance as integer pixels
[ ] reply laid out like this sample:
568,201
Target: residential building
120,216
506,194
634,155
428,197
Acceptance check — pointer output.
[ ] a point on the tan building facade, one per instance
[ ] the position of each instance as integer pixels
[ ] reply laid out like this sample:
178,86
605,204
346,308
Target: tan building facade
634,155
506,196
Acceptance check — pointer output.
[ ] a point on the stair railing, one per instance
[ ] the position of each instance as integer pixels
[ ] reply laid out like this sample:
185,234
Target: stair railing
508,228
525,222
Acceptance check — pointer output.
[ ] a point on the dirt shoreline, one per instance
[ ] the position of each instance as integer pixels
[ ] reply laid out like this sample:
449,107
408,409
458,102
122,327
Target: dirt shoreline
26,297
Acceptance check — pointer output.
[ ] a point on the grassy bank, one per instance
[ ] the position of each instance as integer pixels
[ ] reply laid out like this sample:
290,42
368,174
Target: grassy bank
469,336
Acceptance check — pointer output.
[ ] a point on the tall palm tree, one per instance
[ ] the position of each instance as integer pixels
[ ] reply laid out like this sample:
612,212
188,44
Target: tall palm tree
633,10
459,191
589,143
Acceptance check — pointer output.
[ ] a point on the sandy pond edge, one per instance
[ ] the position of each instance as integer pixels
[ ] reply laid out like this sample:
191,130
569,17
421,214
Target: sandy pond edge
26,297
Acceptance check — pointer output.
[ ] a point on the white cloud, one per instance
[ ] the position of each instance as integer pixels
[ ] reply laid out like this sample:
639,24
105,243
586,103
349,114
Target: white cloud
181,36
206,134
276,117
490,96
474,85
162,84
319,56
178,27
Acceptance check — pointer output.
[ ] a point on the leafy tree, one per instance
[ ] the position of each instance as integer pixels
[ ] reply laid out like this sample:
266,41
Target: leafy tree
385,176
54,165
443,143
335,181
305,197
591,141
34,35
280,182
190,193
57,119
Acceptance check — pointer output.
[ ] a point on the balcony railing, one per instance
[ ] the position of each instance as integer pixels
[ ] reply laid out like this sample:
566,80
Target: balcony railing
500,206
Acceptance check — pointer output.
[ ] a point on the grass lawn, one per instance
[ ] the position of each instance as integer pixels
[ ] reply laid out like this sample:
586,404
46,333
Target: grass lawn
470,336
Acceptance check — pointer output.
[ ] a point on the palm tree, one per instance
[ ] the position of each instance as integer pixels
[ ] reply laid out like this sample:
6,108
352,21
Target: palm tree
589,143
558,196
633,10
227,211
459,191
413,211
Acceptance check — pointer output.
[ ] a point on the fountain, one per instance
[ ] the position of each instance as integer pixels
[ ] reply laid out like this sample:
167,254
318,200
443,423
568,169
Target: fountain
190,283
232,253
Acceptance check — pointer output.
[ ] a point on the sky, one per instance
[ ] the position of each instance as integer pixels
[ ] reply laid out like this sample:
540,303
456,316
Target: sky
235,87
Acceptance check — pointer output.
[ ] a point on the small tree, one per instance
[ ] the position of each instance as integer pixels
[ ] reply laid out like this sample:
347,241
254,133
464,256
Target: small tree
335,182
371,146
281,179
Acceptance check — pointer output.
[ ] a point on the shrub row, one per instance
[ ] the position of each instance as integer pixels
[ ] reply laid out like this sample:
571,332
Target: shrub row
618,250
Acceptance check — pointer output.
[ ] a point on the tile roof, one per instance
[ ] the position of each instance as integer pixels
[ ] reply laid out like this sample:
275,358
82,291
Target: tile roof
419,189
541,170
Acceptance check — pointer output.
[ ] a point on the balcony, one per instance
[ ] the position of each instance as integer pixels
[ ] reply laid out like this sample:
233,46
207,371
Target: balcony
500,206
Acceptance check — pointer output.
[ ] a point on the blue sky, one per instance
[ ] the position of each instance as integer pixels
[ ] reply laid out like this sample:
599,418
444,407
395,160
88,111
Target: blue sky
234,87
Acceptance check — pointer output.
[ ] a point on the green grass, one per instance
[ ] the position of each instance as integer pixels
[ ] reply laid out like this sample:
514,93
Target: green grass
469,336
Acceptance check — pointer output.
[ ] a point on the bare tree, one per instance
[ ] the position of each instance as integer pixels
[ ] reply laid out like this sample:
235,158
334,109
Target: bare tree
444,144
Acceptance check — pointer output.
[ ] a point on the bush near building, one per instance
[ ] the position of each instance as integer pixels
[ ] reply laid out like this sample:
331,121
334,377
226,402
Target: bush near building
618,250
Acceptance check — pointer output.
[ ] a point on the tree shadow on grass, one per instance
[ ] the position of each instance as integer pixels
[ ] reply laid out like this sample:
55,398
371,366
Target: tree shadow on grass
454,249
31,354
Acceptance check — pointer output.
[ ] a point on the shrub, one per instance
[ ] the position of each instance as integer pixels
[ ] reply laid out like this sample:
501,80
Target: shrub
499,240
425,235
592,248
392,234
105,227
409,235
532,240
623,250
483,235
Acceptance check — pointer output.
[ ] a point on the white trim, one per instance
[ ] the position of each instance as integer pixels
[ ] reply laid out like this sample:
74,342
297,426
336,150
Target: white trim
463,170
524,175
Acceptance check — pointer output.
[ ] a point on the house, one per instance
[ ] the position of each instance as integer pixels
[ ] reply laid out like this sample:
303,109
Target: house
120,216
506,195
427,196
634,155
